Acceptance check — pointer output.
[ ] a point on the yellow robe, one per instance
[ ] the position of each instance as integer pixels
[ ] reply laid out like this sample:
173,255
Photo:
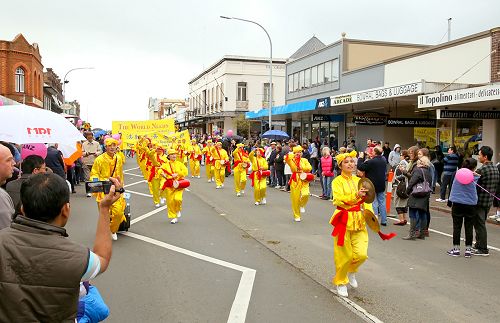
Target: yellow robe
173,195
221,159
194,162
207,151
259,184
102,170
353,253
299,189
240,173
155,179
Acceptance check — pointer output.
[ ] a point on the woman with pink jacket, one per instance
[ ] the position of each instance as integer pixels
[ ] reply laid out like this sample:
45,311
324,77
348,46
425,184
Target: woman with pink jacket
327,173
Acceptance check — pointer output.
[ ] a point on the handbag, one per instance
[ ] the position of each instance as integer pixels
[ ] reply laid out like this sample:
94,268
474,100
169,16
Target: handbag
401,189
421,189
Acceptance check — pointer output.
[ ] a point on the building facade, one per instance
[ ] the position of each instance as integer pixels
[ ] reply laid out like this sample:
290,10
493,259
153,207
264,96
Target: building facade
52,91
21,71
221,95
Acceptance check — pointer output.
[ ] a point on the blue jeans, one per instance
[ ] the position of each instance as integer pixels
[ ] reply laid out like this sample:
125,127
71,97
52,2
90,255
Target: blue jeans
379,206
420,218
327,186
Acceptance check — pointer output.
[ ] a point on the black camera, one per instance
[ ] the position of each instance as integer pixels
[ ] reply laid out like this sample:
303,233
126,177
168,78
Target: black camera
100,186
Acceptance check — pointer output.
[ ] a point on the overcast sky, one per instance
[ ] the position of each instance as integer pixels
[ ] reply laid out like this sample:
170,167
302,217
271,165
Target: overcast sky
152,48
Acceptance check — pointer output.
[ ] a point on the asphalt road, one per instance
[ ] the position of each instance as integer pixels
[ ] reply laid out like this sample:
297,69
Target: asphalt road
203,269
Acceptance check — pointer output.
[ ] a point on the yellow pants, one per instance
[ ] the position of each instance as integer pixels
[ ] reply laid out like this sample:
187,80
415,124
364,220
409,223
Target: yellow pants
174,201
259,189
142,166
350,256
155,188
194,165
240,179
210,171
220,175
299,195
116,214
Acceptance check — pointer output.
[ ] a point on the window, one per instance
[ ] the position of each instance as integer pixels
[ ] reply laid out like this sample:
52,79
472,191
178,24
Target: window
335,70
217,95
307,77
321,73
222,97
302,83
295,81
290,83
328,71
242,91
314,75
266,92
19,80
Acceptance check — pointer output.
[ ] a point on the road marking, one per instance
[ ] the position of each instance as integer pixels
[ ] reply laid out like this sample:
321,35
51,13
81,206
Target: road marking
139,193
241,301
136,175
139,182
126,170
147,215
356,308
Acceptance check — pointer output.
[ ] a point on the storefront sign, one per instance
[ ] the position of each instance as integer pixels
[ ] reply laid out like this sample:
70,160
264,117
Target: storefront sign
323,103
411,122
328,117
369,119
476,94
378,94
458,114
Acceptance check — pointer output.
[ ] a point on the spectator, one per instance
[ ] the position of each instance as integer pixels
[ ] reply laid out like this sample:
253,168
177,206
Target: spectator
400,203
270,155
55,161
31,165
463,199
327,168
90,150
313,158
40,269
496,202
6,170
394,158
432,170
374,170
489,180
387,151
418,205
352,145
449,170
279,166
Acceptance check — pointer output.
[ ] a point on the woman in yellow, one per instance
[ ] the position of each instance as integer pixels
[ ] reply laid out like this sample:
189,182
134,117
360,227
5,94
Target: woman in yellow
299,189
221,158
173,170
194,159
157,158
259,182
241,162
207,151
105,166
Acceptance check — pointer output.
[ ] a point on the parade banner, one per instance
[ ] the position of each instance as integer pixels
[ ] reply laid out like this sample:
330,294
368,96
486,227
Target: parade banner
155,129
183,136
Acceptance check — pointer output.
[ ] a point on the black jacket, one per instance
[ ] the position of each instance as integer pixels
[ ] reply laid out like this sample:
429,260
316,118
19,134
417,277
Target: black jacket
374,169
54,161
417,176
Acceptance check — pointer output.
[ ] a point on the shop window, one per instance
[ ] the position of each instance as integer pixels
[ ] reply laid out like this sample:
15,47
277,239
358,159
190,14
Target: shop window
333,137
314,75
315,131
425,137
444,134
468,136
296,129
328,71
19,80
242,91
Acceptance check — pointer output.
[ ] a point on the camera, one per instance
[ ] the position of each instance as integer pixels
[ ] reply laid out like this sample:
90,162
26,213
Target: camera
100,186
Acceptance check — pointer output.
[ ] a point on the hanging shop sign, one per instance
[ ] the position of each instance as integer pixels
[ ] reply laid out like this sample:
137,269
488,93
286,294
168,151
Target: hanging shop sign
323,103
411,122
370,119
475,94
377,94
328,117
459,114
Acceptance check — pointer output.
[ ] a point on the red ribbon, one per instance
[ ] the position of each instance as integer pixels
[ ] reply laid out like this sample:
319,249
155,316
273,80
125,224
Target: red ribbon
152,174
339,223
255,173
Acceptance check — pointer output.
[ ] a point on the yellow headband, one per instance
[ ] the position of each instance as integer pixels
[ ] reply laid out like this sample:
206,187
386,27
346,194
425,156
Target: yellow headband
110,141
240,145
340,157
171,152
297,149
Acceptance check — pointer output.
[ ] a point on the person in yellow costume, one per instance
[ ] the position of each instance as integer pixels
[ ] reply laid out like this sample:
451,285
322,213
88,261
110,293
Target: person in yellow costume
209,161
121,155
194,159
173,170
220,157
105,166
157,158
299,189
241,163
141,148
259,182
181,152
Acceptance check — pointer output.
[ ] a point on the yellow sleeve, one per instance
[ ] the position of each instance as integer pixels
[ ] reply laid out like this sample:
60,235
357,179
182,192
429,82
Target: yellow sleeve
340,196
181,169
289,161
305,165
96,169
263,164
251,157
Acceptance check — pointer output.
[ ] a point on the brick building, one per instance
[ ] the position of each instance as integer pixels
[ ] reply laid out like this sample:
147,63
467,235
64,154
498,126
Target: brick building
21,71
52,91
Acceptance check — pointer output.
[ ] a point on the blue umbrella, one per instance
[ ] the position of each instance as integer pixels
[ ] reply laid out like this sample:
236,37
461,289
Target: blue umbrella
275,134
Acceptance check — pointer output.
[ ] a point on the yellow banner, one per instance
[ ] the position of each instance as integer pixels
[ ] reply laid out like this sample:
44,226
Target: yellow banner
155,129
183,136
426,136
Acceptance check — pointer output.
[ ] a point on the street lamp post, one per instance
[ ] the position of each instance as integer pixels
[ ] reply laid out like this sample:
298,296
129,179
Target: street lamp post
270,63
64,80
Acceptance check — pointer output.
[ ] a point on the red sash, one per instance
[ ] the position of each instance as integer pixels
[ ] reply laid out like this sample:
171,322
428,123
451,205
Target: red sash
295,175
339,222
169,182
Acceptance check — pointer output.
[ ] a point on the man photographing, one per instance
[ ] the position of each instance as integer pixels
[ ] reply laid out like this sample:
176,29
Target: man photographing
40,269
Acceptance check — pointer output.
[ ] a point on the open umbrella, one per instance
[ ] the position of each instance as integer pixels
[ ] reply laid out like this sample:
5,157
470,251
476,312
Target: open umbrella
24,124
275,134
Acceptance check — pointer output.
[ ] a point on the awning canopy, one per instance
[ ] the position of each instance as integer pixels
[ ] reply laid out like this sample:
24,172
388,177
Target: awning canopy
283,109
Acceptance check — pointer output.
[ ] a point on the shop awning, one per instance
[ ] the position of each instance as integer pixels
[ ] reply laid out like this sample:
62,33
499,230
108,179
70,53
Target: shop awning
283,109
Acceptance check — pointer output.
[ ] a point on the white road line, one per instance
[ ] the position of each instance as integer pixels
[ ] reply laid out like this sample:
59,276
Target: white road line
139,193
126,170
147,215
139,182
136,175
241,301
356,308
